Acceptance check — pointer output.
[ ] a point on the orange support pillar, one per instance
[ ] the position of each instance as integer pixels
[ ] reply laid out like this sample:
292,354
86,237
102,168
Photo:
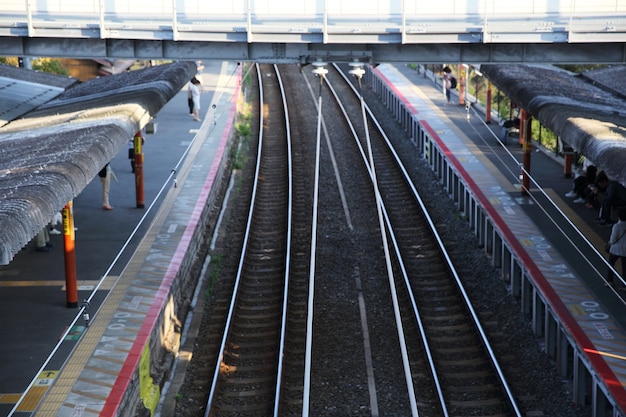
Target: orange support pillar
522,126
69,246
488,110
139,184
527,147
567,164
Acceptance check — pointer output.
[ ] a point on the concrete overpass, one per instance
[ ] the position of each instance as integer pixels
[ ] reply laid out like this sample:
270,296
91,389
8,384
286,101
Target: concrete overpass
281,31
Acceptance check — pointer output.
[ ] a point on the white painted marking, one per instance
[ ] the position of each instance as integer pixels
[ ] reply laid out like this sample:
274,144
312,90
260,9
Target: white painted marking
371,382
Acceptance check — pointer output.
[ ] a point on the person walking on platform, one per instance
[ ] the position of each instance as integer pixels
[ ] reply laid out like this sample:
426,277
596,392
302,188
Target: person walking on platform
195,96
617,245
615,197
105,178
581,183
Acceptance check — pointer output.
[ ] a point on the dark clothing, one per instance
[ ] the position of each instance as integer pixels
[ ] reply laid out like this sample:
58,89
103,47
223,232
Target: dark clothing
580,185
594,194
615,196
613,261
512,123
508,126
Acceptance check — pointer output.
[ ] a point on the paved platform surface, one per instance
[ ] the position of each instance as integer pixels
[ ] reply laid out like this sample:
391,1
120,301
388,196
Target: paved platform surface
33,303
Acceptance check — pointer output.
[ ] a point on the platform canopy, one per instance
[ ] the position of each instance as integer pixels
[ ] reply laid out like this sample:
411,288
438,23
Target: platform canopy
59,133
587,111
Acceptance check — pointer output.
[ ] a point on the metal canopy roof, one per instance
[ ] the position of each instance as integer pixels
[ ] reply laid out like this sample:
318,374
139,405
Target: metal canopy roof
48,156
20,97
587,111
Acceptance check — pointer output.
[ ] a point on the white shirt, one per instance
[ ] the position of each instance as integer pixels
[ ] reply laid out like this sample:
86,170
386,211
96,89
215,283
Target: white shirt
618,239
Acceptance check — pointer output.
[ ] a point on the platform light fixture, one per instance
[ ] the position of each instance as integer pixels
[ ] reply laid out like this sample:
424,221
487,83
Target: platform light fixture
357,70
320,70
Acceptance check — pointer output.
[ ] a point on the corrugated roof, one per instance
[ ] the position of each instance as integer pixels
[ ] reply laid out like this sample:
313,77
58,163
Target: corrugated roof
19,97
48,156
587,112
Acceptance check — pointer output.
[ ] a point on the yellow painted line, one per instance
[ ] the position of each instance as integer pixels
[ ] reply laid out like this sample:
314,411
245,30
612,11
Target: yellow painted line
9,398
34,394
86,285
31,283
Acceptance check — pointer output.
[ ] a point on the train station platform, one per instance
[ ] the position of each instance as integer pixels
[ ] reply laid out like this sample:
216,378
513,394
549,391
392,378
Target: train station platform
548,249
548,174
44,371
126,260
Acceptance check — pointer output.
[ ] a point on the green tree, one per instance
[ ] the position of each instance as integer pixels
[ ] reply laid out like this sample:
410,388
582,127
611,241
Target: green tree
580,68
9,60
51,65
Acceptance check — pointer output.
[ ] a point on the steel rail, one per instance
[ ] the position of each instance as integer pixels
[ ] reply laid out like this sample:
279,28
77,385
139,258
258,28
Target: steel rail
310,303
243,255
449,262
283,327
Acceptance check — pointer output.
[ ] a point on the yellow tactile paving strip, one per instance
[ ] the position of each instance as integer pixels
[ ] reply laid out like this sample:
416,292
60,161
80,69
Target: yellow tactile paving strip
35,394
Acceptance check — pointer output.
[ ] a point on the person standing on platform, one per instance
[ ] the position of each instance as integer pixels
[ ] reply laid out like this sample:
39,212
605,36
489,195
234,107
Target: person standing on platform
105,178
615,196
449,83
617,245
131,155
43,240
195,96
189,99
199,69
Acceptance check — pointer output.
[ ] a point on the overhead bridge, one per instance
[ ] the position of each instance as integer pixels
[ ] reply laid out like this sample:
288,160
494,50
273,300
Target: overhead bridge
481,31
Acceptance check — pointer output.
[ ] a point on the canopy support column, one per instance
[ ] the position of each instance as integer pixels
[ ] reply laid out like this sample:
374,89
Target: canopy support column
139,181
488,109
527,147
69,253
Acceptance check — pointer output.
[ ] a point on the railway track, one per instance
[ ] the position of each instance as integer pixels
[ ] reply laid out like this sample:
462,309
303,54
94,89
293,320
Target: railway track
390,333
249,362
431,306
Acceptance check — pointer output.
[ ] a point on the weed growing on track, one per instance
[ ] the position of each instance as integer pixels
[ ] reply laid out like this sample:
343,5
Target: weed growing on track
216,262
